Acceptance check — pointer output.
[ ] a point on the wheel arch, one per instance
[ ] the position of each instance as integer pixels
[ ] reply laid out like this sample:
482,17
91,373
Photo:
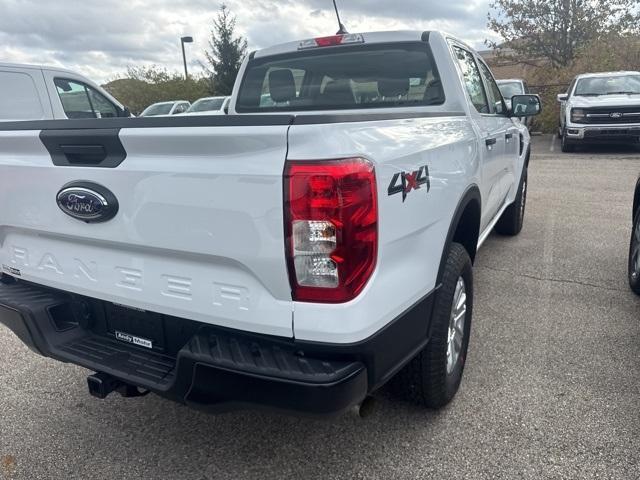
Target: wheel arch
464,227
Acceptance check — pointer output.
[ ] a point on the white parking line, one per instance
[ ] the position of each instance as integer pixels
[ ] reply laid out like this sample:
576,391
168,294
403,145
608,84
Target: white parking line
552,148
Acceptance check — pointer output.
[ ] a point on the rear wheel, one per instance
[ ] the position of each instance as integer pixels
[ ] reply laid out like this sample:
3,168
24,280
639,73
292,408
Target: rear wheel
433,377
512,218
634,255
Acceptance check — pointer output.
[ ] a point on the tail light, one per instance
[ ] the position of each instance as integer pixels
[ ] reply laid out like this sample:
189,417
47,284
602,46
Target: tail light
331,226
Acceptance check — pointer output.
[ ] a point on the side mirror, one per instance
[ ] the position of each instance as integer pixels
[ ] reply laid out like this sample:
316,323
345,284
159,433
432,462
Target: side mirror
563,97
525,105
125,112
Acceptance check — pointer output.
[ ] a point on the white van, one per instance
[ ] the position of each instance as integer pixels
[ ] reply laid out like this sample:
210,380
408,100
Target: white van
30,92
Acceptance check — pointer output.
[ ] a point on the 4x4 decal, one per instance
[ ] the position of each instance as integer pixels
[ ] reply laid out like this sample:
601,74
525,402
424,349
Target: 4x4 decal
405,183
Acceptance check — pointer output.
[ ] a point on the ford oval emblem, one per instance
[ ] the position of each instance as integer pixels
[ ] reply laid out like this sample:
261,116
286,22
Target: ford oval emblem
87,201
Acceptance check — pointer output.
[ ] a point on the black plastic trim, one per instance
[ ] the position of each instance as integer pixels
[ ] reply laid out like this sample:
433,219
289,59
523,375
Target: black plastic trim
471,194
243,120
84,148
220,369
151,122
389,349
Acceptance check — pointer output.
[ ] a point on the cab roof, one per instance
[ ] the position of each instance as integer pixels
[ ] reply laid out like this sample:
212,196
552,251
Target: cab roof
36,67
368,37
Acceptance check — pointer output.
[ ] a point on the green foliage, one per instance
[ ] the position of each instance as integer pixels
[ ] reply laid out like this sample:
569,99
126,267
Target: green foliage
226,54
143,86
557,29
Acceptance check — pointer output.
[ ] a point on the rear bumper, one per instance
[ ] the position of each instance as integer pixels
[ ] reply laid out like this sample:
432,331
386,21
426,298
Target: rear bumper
216,369
604,133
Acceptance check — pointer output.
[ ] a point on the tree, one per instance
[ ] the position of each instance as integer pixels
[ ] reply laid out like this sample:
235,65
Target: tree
143,86
226,54
557,29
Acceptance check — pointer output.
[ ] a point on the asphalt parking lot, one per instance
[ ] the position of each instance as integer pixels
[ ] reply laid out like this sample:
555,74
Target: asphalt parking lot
551,389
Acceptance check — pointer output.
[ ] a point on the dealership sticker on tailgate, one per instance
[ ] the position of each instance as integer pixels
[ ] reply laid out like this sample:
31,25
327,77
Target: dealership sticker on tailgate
125,337
11,270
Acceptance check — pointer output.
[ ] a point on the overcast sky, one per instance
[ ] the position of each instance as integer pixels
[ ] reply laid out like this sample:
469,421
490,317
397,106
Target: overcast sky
100,38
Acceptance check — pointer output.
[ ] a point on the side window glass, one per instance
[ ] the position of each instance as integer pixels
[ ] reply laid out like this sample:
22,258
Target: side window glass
472,79
181,108
75,99
19,98
494,91
102,105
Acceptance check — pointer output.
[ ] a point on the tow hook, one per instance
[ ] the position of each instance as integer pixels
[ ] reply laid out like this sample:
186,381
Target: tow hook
102,384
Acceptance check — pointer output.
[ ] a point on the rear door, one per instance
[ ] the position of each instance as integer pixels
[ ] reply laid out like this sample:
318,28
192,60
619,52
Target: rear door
198,231
508,130
491,133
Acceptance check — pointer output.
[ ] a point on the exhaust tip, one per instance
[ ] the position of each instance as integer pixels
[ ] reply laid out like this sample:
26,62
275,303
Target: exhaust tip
367,407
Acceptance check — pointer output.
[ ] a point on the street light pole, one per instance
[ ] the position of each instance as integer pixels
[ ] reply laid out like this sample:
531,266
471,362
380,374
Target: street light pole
184,40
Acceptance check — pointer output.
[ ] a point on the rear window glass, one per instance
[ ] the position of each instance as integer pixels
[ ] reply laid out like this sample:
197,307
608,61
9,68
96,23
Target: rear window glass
336,78
19,99
207,104
157,109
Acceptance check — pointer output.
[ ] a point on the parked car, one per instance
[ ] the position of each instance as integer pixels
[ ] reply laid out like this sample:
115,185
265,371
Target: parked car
174,107
31,92
295,254
209,106
634,247
511,87
600,107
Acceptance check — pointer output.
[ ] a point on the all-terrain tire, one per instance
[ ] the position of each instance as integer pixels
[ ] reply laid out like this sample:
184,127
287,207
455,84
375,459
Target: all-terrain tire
426,380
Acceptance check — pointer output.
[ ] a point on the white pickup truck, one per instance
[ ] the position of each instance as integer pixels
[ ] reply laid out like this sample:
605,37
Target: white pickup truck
295,254
600,108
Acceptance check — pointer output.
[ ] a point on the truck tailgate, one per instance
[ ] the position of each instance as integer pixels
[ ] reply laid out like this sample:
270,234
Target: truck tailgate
199,230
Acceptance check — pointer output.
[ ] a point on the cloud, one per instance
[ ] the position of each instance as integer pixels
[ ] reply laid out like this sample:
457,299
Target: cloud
100,38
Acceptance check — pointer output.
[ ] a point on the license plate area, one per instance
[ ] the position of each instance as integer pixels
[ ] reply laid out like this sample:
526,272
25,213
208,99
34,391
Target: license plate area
136,327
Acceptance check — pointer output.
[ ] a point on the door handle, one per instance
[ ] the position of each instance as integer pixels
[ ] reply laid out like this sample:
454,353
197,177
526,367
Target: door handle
508,136
490,141
87,147
91,154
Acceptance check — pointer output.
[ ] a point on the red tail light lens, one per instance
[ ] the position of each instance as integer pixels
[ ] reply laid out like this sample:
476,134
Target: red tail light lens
331,226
